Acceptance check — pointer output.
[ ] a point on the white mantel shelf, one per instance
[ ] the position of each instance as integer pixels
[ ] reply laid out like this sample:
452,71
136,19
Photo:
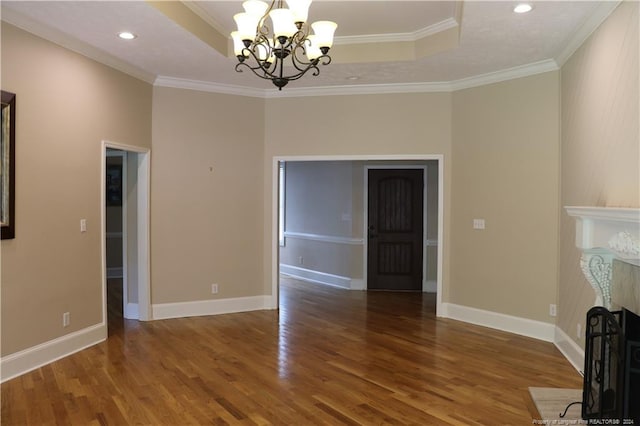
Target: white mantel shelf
615,214
604,234
612,228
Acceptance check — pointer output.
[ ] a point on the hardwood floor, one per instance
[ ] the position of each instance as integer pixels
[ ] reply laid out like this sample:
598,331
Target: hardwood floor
329,356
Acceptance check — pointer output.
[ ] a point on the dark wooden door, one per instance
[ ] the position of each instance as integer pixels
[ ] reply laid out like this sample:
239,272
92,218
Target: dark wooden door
394,259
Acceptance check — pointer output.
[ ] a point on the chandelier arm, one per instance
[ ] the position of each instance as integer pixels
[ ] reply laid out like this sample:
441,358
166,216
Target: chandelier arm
267,75
240,65
253,55
326,59
261,39
311,66
262,29
296,61
300,36
302,66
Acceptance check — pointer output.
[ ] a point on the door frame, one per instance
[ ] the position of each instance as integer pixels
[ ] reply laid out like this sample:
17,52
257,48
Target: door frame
274,243
143,244
365,221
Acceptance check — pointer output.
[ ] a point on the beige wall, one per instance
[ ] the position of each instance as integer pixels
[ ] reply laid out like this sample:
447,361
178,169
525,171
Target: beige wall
206,196
66,105
397,124
600,138
506,147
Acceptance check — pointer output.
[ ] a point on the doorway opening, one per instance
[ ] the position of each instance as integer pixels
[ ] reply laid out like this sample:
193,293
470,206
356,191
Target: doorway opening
125,234
325,236
115,232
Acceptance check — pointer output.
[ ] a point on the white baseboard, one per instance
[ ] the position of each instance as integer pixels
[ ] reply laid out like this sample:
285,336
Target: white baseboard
29,359
131,311
316,276
517,325
570,349
358,284
430,287
211,307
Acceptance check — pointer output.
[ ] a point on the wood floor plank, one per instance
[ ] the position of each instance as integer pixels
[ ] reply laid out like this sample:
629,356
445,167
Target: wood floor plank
327,357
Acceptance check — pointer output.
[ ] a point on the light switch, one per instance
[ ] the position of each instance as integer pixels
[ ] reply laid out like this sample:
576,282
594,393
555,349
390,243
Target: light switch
478,223
83,225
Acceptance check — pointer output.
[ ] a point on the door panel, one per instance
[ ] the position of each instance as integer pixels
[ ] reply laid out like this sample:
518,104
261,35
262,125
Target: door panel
395,229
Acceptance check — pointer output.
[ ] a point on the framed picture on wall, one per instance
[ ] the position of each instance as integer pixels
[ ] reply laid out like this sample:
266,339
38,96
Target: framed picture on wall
114,185
7,166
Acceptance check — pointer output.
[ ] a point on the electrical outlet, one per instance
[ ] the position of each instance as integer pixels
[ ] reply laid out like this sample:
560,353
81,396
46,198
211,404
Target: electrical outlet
214,288
66,319
300,260
579,331
478,223
552,310
83,225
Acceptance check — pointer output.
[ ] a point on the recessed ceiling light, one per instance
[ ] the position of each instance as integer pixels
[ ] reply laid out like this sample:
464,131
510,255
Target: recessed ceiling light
126,35
353,77
523,8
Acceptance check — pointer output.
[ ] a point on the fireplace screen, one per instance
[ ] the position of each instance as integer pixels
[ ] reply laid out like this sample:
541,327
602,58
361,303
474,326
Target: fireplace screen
632,385
604,387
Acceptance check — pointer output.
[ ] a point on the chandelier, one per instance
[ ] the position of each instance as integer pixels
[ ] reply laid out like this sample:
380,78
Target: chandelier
265,50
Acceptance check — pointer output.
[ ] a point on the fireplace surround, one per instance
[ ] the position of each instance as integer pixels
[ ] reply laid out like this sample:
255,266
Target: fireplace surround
610,242
604,234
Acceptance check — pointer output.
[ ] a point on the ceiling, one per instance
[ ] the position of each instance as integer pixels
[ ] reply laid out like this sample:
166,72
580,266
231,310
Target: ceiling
379,44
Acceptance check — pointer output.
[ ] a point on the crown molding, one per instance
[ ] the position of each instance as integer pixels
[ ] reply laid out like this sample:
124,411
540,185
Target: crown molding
58,37
205,86
602,12
398,37
436,28
363,89
434,87
504,75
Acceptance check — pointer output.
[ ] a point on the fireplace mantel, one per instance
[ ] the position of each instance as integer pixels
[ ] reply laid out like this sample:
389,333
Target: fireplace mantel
604,234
